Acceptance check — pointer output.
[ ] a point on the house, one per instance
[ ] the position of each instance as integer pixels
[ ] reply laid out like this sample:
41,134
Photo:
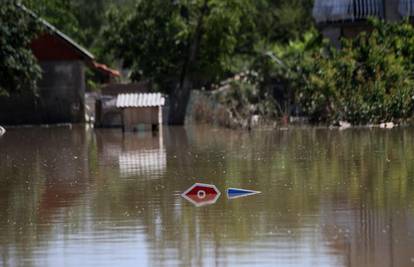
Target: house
347,18
61,97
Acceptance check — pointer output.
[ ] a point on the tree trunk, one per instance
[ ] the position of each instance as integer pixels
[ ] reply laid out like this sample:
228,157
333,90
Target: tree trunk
181,94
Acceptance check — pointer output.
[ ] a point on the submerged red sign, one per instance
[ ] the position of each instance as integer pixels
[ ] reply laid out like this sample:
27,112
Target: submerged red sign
202,194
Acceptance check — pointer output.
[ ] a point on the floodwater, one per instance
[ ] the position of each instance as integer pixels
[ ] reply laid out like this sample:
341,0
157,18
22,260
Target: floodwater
84,197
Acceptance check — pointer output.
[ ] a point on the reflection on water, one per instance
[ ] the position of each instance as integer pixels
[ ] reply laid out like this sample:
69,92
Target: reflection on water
78,197
137,154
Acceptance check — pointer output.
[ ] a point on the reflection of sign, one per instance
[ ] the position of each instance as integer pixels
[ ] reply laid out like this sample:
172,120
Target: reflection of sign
237,192
202,194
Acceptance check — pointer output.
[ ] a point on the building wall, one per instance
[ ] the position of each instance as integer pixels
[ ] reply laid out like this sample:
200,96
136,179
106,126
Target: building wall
61,97
391,10
63,91
134,116
352,31
334,34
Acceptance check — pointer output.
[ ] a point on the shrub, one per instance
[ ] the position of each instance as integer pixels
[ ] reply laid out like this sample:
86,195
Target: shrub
245,98
19,70
369,80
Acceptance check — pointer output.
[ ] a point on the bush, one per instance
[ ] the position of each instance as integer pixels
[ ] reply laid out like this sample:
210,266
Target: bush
19,70
289,66
244,98
369,80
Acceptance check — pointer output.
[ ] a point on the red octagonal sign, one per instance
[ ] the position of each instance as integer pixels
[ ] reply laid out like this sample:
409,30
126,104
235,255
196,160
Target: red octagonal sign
202,194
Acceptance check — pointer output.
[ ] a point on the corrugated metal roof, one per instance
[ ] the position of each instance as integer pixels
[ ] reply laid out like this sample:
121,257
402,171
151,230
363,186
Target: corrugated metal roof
406,8
338,10
139,100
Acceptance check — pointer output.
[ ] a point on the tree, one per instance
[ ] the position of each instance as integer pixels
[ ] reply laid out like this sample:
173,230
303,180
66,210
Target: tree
368,81
81,20
59,13
19,70
281,21
181,44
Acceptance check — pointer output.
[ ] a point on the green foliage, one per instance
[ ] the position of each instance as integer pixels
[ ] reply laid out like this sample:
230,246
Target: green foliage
154,41
244,98
59,13
153,38
225,33
369,80
19,70
288,65
181,45
283,20
92,20
150,41
83,21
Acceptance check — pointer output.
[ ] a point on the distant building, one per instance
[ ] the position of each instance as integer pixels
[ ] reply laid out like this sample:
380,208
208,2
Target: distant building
347,18
62,87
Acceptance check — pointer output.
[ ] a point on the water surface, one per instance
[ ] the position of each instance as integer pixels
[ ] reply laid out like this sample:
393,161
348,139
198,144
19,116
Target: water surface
83,197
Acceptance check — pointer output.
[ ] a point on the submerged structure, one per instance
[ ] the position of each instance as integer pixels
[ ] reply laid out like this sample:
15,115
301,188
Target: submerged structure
140,109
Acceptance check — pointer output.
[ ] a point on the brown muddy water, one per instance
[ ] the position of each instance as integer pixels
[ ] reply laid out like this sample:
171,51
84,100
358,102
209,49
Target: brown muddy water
83,197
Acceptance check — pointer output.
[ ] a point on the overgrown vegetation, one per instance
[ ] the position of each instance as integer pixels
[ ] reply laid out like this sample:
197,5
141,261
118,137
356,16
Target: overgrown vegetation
83,21
369,80
181,45
244,99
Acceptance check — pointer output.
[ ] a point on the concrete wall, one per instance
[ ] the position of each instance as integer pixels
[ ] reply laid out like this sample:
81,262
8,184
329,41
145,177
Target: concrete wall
333,34
132,117
391,10
61,91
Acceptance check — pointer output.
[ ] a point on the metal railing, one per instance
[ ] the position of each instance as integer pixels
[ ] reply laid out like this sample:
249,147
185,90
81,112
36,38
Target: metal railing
341,10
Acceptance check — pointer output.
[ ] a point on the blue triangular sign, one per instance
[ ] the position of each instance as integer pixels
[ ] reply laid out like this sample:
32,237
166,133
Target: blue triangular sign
237,192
